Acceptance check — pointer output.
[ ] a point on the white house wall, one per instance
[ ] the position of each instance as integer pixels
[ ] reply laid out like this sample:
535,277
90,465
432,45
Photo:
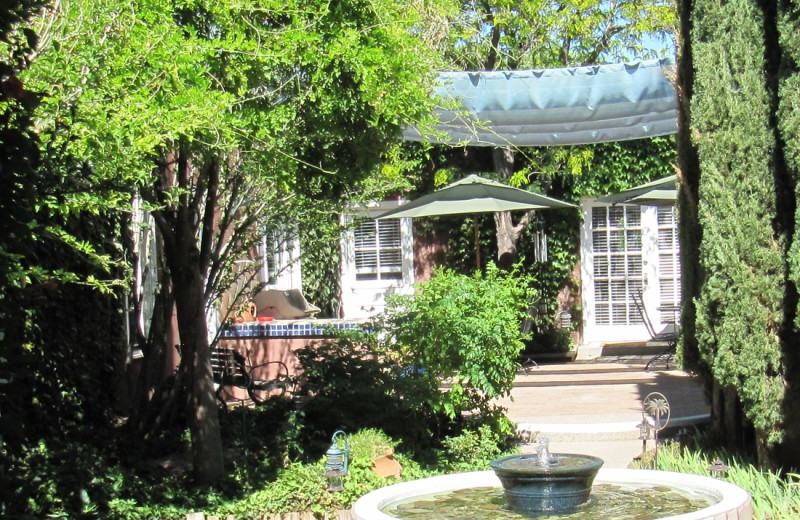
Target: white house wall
365,298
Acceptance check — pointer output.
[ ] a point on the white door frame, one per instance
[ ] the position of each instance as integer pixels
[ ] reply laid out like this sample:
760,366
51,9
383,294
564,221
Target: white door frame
634,330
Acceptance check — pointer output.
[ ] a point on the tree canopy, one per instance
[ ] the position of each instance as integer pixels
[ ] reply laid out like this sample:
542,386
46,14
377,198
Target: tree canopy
225,118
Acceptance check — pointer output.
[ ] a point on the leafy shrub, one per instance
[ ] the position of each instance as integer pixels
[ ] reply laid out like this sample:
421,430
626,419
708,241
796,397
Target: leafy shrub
357,381
302,487
473,449
549,340
464,331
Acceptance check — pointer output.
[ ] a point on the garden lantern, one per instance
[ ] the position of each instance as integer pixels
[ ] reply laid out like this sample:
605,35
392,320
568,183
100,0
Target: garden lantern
644,433
718,469
336,460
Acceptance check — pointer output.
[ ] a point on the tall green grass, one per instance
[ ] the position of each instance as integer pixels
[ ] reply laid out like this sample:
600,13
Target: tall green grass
775,496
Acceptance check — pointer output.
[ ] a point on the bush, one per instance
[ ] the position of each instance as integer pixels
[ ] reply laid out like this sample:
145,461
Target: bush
473,449
465,331
548,341
356,381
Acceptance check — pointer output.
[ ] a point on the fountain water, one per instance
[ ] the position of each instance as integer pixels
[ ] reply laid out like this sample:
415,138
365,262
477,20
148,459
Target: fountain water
718,499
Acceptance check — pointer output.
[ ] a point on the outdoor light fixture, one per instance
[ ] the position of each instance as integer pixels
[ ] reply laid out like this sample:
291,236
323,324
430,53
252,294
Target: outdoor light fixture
644,433
644,430
718,469
336,461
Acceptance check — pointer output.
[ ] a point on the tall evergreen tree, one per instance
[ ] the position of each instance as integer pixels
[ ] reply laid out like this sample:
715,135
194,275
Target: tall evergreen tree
737,218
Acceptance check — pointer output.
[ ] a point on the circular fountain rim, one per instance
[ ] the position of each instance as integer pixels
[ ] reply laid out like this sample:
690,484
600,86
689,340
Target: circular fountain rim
731,497
592,462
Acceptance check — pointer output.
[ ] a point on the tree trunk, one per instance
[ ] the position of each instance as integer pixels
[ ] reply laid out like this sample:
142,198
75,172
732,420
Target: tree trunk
188,262
507,235
204,419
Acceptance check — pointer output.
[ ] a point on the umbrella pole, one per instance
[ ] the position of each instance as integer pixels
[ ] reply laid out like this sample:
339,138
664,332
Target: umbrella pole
477,243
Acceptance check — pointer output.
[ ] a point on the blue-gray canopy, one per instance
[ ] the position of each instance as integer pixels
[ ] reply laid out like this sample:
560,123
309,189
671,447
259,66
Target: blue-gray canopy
548,107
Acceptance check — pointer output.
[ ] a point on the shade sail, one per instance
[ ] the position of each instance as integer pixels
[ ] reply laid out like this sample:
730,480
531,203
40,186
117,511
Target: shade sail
547,107
474,194
654,193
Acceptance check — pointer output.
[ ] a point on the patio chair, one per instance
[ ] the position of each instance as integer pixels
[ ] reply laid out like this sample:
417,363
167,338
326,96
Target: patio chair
261,382
269,379
228,369
669,334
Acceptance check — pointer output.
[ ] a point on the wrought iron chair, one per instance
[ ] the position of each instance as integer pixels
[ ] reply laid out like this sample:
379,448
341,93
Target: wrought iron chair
263,381
668,334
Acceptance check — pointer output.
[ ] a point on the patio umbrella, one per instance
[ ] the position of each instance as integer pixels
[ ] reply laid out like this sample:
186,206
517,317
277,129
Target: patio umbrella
473,195
654,193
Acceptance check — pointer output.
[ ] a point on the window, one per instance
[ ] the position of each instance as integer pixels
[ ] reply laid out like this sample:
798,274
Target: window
616,235
279,256
378,250
269,251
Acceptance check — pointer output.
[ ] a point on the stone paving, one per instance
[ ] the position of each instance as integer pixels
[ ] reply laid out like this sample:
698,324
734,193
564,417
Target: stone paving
594,406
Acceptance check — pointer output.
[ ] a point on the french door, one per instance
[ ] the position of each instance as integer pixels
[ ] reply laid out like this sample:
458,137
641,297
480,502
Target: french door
627,248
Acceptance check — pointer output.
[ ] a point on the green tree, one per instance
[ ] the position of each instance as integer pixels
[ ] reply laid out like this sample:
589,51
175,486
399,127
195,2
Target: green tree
738,212
60,329
228,117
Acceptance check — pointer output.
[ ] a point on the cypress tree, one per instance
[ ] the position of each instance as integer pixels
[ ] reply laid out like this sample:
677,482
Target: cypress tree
739,329
788,24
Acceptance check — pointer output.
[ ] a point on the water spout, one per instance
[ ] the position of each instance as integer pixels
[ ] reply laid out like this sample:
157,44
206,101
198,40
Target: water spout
544,458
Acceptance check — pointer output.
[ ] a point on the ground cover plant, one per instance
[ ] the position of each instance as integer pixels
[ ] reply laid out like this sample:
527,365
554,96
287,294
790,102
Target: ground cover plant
257,484
383,386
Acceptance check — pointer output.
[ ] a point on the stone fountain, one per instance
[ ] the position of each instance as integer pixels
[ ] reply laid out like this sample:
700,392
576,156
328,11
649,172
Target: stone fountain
546,482
557,485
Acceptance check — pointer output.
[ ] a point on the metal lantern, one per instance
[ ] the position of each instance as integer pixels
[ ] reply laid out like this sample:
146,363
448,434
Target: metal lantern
644,430
336,460
718,469
644,433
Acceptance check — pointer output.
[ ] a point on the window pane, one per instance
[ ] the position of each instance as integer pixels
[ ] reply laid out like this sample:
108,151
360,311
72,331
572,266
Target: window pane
599,242
666,216
633,240
617,240
598,218
618,265
601,290
391,260
619,291
633,216
635,266
365,235
666,238
616,216
366,260
389,233
619,314
602,314
600,266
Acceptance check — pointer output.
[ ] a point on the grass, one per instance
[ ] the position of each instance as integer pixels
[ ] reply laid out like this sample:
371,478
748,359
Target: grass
775,495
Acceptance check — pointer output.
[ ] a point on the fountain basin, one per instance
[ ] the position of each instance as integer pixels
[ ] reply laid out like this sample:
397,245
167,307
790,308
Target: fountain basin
532,487
733,504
